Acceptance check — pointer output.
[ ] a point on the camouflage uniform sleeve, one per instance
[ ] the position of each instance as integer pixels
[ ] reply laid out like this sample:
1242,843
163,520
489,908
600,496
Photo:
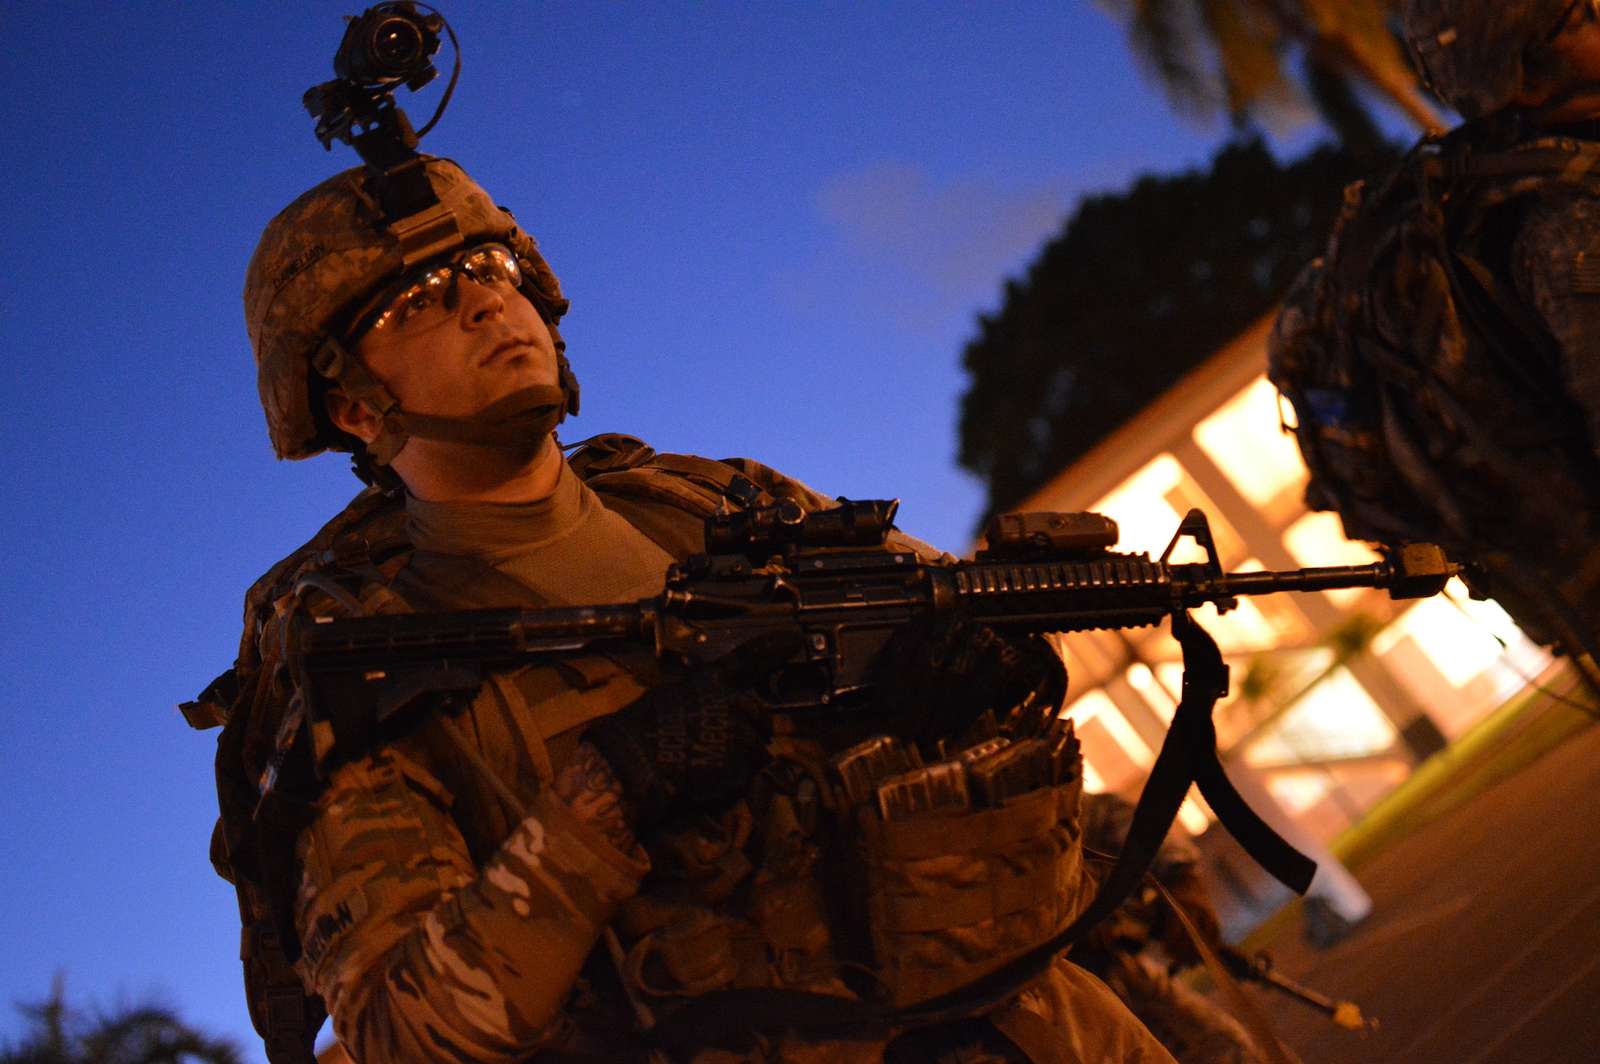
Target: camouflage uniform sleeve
1556,265
419,954
779,486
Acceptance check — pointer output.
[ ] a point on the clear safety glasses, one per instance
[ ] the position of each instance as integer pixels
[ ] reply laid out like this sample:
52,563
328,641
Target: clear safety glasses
401,302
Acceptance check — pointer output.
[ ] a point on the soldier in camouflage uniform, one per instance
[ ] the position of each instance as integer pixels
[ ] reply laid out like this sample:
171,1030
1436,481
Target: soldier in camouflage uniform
541,874
1194,1028
1538,62
1475,303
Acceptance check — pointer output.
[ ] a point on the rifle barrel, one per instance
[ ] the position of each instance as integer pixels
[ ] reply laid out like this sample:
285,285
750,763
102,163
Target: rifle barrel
1319,579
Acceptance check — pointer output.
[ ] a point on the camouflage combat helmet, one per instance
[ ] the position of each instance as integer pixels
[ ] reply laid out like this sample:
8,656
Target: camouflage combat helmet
1474,53
330,249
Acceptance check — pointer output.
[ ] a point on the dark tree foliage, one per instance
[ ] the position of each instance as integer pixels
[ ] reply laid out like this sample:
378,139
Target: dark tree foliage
142,1034
1138,289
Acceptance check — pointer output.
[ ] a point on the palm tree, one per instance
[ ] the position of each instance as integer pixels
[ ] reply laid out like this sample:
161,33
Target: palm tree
142,1034
1230,54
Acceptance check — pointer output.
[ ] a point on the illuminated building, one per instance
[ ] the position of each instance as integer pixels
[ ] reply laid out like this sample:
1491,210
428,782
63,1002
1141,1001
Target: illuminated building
1336,696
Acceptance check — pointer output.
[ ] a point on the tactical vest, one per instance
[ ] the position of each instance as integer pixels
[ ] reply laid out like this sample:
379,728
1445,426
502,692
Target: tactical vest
354,561
945,901
1427,397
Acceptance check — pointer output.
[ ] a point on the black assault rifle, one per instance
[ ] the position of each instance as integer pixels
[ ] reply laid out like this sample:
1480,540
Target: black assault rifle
828,575
836,579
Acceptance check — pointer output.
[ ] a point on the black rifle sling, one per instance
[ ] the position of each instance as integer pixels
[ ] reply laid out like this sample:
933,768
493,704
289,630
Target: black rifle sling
1188,756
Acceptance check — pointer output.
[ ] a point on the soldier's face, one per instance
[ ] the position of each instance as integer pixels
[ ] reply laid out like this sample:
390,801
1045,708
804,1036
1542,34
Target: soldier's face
457,360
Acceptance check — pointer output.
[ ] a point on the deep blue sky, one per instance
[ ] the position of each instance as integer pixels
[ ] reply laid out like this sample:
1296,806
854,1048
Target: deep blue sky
777,222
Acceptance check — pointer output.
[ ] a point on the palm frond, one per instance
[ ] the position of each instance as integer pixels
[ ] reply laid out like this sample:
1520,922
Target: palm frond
1249,51
1167,38
1230,54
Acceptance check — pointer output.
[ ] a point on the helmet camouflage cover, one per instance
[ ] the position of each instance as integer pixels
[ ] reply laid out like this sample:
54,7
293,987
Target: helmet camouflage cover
1473,53
327,251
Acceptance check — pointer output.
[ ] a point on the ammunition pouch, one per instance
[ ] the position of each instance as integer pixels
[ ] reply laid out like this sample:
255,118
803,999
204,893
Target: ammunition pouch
949,899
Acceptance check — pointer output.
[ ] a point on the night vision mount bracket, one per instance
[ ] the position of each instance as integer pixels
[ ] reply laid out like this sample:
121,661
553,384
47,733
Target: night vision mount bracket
385,47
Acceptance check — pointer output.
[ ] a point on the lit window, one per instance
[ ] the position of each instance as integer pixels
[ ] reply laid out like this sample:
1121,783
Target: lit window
1192,816
1170,673
1318,539
1484,612
1144,518
1092,783
1120,758
1245,441
1336,718
1161,700
1132,743
1242,628
1458,646
1297,792
1089,707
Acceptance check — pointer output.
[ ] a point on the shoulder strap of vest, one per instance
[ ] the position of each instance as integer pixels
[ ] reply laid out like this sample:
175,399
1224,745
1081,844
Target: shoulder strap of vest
371,524
627,466
654,491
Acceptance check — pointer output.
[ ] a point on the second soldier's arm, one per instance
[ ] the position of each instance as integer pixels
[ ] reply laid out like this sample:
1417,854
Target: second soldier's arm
1556,263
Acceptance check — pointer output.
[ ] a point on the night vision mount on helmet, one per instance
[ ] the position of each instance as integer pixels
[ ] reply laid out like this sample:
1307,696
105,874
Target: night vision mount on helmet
326,254
386,46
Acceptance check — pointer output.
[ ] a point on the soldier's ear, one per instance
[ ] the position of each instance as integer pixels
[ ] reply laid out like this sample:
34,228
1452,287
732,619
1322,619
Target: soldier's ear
352,415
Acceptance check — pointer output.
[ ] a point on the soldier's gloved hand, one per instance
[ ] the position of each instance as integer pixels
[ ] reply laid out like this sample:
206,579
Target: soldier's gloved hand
938,677
694,743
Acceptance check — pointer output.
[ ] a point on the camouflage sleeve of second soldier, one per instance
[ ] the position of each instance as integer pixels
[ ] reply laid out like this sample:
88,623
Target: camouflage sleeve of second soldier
419,954
1556,263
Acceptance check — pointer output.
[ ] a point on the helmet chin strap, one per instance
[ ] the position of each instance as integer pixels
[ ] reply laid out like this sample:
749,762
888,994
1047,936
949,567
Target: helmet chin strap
515,426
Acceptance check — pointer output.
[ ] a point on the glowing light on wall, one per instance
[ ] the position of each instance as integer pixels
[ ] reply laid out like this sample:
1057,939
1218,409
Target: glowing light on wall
1318,539
1192,817
1459,648
1244,439
1485,612
1090,706
1144,517
1092,783
1297,791
1336,718
1162,701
